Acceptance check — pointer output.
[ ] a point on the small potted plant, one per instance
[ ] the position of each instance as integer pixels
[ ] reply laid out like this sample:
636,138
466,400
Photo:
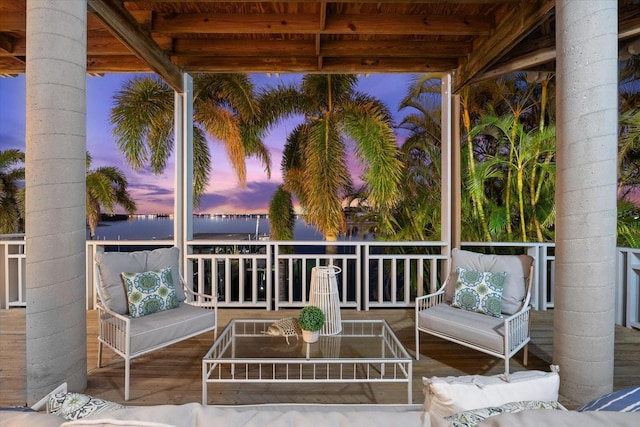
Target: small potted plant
311,320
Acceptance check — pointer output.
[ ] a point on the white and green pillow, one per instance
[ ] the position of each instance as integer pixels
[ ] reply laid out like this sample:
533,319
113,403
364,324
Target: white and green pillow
479,291
74,406
150,292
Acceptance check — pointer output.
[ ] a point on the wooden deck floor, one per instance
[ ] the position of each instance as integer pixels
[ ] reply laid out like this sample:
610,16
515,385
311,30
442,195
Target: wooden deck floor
173,375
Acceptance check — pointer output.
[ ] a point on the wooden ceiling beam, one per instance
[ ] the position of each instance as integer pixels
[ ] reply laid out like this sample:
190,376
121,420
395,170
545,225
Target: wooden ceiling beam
629,26
116,64
341,1
514,25
124,27
251,47
244,47
228,23
309,64
7,44
396,48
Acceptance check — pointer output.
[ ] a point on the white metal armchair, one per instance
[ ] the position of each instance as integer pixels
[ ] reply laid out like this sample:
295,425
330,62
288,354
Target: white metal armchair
500,336
129,336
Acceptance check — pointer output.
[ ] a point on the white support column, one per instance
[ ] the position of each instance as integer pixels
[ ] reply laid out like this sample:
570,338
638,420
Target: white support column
56,338
183,199
587,124
446,163
456,174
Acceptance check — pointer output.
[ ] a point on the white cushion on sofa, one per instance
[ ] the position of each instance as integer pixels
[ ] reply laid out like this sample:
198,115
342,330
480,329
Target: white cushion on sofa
447,395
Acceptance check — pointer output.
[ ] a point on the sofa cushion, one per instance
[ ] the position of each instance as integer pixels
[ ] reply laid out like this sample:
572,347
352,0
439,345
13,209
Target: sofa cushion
449,395
543,417
158,259
479,291
467,326
274,415
517,267
150,292
110,265
166,326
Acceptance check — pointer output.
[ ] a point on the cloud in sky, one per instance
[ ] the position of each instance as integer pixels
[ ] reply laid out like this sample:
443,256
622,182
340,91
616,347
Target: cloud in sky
154,193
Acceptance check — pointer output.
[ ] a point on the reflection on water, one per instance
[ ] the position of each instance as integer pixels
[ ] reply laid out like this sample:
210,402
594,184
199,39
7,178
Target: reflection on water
162,228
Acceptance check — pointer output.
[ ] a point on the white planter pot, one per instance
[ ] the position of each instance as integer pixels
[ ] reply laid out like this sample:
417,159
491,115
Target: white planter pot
310,336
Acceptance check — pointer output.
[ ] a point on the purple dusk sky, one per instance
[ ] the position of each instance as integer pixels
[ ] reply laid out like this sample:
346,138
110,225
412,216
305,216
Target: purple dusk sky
154,193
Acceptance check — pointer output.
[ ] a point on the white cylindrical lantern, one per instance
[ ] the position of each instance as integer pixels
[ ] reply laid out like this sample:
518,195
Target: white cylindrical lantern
324,294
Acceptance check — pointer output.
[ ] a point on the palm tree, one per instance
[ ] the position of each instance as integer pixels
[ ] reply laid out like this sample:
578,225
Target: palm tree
529,152
418,212
106,188
225,108
11,195
315,162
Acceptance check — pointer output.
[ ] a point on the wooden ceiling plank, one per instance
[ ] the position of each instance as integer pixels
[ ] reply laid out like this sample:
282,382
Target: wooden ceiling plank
512,28
229,23
341,1
308,64
247,47
629,26
126,29
409,24
212,23
7,44
396,48
100,64
13,22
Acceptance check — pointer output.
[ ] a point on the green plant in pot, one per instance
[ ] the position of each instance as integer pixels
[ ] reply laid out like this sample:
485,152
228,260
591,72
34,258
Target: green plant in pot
311,320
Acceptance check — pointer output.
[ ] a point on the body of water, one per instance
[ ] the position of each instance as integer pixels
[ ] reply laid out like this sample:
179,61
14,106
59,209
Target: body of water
215,227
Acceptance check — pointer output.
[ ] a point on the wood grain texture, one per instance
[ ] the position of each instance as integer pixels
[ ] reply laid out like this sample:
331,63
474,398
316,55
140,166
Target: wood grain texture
173,375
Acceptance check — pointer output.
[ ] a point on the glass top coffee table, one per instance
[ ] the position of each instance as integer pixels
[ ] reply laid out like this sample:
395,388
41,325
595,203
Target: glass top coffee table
366,351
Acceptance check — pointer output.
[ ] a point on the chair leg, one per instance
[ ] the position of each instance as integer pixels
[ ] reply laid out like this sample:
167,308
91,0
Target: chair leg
99,354
127,364
417,345
526,354
506,367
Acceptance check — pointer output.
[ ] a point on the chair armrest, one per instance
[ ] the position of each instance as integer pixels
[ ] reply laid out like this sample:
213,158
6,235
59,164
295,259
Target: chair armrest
430,300
516,327
199,299
113,328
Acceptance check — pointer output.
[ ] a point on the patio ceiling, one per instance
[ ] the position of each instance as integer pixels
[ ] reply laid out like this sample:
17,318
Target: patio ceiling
477,38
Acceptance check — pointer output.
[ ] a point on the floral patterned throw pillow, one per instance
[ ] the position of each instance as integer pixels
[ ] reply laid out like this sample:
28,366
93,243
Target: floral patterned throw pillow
150,292
73,406
479,291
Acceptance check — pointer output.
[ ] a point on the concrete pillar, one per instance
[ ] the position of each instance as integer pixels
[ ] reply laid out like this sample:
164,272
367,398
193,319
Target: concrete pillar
587,123
55,195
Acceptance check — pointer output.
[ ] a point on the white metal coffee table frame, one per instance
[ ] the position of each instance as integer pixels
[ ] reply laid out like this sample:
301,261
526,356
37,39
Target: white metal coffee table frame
392,365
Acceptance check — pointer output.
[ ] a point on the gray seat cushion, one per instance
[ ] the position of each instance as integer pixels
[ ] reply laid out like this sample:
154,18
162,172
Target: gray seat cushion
517,267
467,326
159,328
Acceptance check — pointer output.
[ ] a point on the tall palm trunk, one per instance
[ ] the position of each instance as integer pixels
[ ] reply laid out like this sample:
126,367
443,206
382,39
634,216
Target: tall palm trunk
472,172
534,189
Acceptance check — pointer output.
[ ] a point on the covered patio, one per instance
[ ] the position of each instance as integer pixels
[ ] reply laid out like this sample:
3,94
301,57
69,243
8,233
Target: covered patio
57,43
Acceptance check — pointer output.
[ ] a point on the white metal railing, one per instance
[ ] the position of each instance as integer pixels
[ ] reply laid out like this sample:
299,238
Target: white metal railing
277,274
12,270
